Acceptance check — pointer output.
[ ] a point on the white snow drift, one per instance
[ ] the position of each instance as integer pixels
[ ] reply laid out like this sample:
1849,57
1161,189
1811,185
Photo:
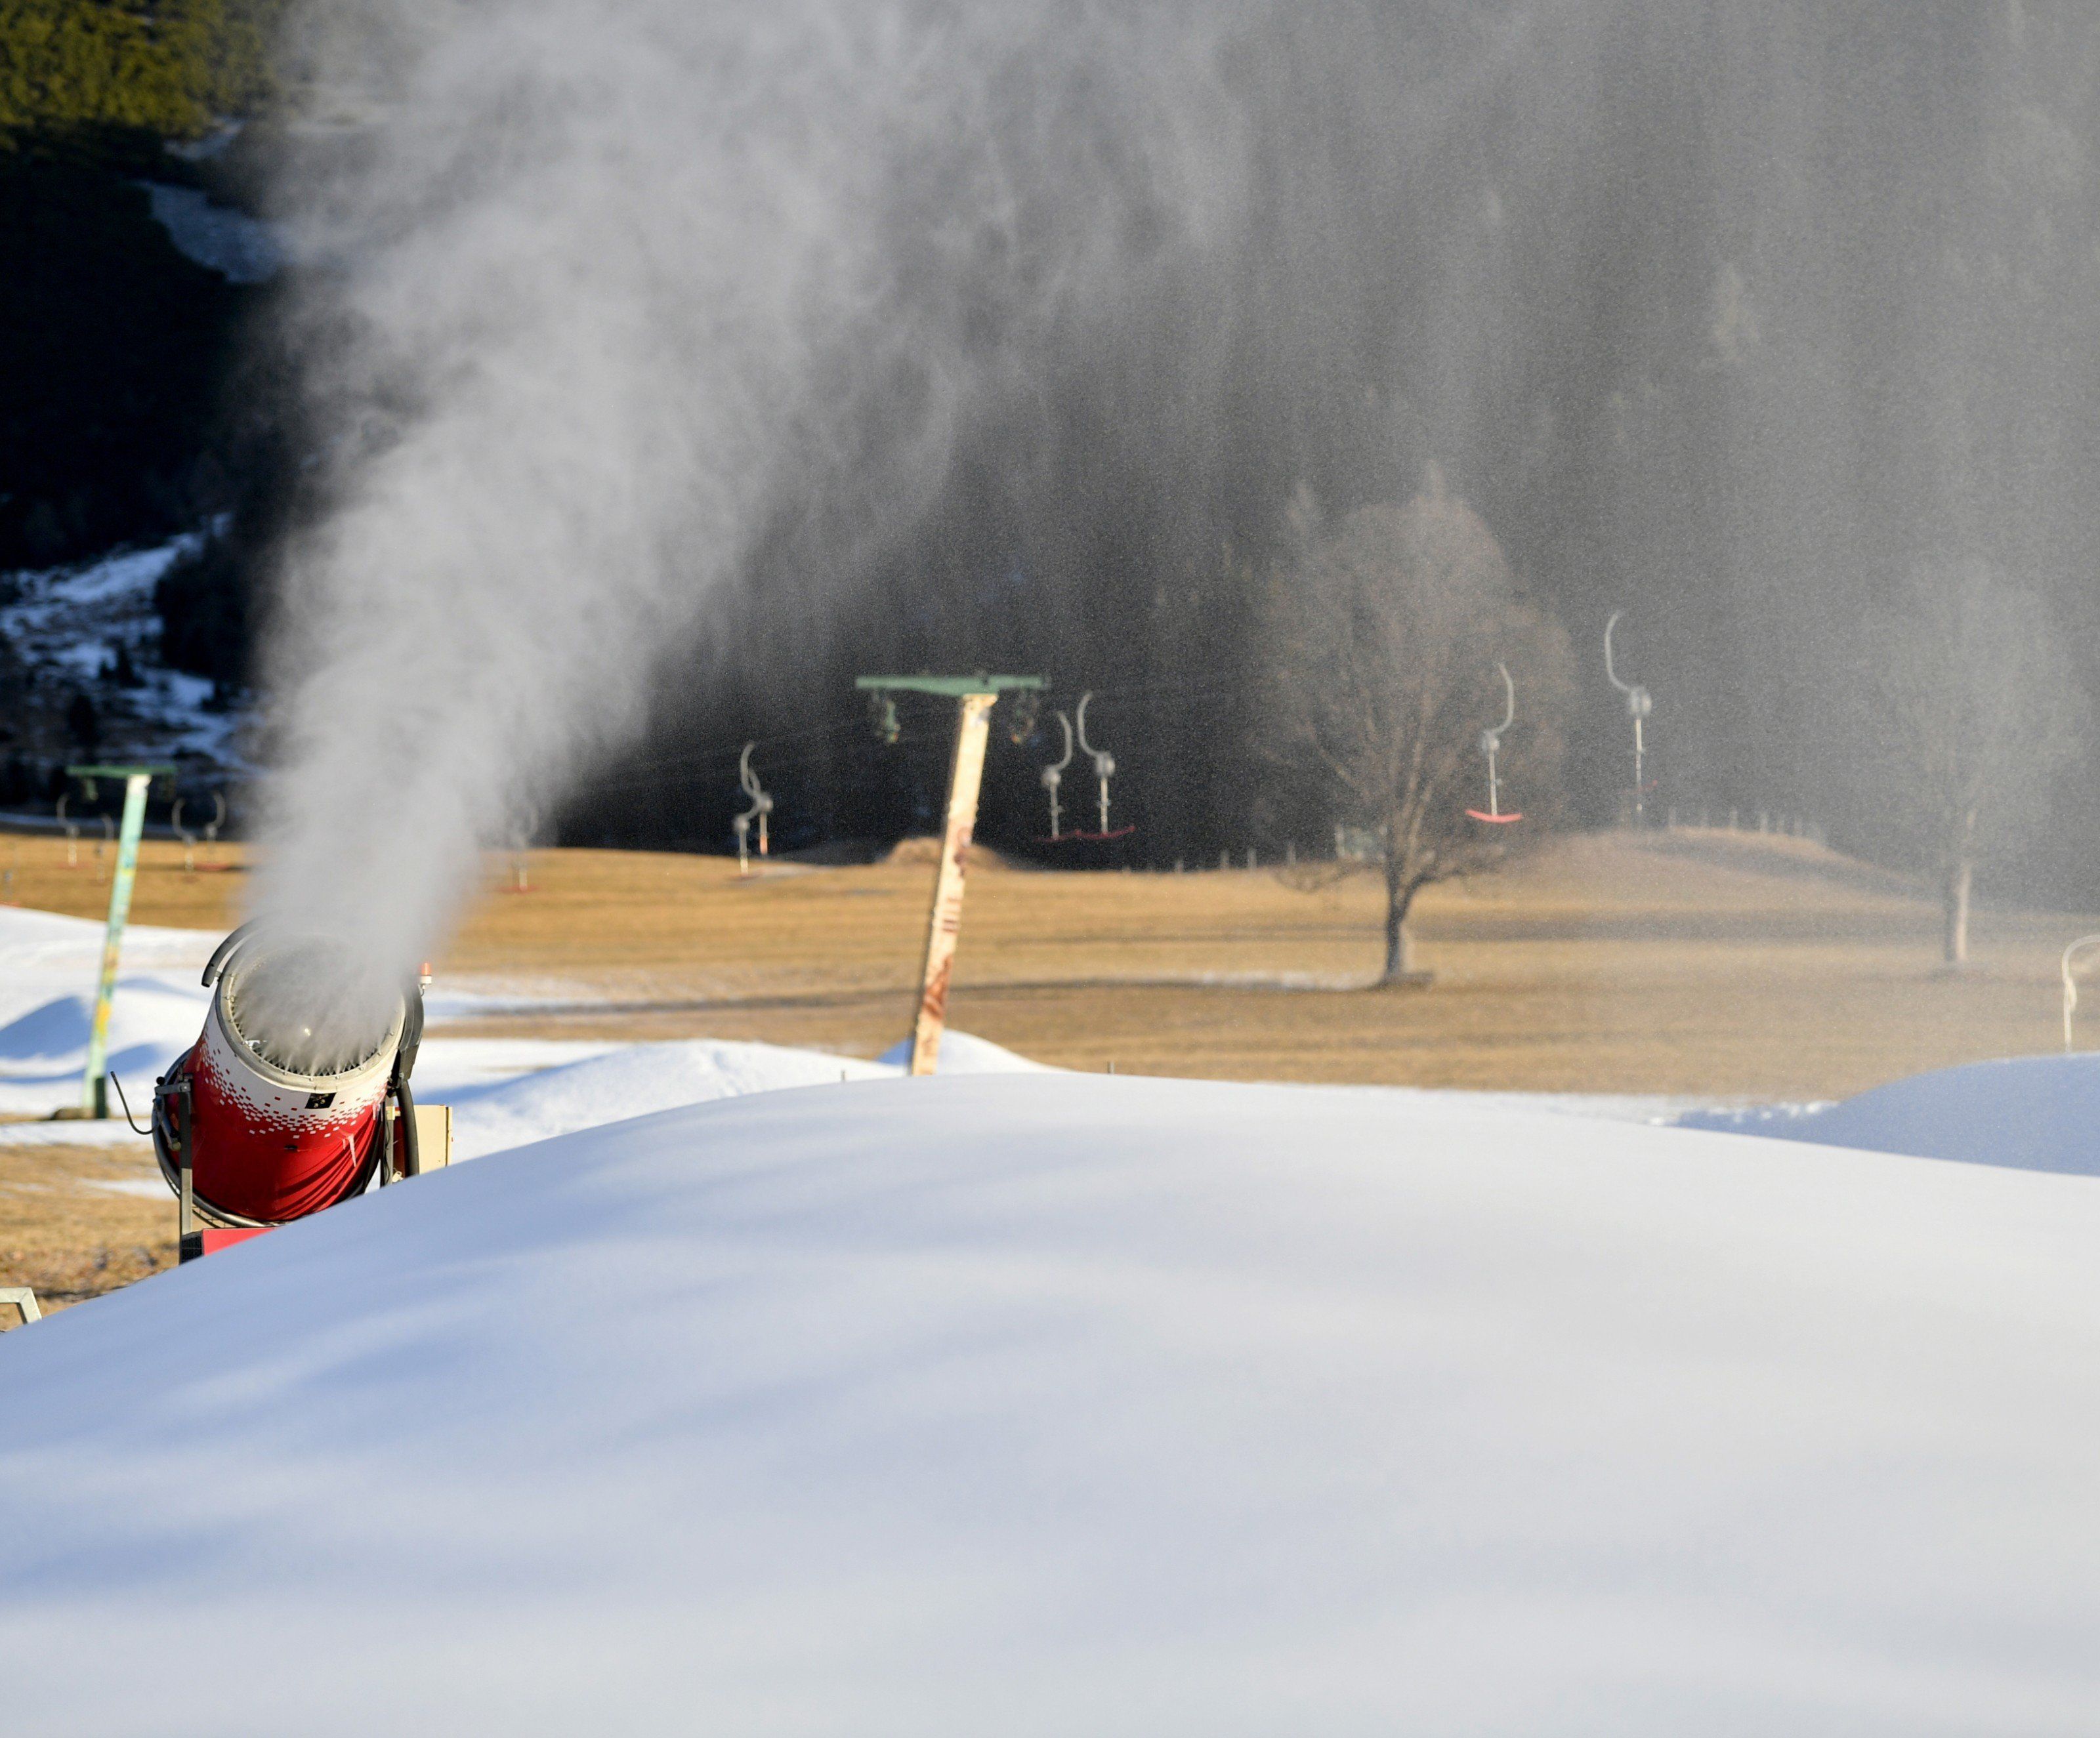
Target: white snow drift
2034,1112
1057,1403
504,1092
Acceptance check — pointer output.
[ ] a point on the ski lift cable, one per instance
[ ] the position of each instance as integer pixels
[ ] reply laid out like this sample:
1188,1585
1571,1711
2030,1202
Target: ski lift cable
635,773
703,757
778,763
710,757
1197,687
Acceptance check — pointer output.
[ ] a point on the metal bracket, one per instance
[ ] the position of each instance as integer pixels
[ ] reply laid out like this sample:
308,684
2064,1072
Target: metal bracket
24,1299
189,1235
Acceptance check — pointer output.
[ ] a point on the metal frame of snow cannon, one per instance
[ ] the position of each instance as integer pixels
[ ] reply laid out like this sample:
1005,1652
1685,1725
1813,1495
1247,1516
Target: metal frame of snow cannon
411,1138
761,806
1639,704
974,696
1491,743
2071,982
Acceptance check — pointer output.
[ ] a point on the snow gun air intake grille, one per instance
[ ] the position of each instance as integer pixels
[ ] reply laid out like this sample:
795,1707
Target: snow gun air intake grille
310,1008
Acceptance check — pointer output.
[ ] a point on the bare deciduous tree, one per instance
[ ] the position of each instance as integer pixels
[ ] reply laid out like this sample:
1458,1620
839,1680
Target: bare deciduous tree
1976,710
1386,634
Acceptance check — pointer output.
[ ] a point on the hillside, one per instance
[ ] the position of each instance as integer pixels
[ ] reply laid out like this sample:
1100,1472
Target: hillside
125,317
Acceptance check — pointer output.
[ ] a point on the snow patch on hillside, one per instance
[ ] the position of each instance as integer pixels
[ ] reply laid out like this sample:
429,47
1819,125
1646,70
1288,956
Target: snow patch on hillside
242,249
66,624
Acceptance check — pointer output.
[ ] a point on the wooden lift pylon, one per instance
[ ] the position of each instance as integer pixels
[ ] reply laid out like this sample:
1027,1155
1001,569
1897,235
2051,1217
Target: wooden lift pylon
974,697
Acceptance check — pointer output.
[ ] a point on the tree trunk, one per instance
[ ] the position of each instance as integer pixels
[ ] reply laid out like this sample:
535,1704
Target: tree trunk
1399,944
1954,906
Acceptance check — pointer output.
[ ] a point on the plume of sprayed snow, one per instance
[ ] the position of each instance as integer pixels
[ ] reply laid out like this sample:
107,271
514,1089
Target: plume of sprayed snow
621,306
610,295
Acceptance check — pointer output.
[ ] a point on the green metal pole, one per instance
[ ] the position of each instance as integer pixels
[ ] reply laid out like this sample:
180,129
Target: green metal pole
95,1085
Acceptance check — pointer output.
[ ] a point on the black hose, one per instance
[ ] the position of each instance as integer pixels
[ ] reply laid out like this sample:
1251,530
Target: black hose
405,1064
411,1151
412,1038
126,1103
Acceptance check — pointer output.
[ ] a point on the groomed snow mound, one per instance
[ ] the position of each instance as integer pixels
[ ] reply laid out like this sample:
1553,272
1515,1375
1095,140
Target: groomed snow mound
640,1079
2030,1113
963,1053
636,1080
1062,1404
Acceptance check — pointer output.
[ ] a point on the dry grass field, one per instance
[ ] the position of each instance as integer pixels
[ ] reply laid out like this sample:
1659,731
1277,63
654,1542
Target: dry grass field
1706,963
1687,962
77,1222
1693,962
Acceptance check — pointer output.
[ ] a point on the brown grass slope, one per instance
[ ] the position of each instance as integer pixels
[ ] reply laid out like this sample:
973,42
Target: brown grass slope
1708,963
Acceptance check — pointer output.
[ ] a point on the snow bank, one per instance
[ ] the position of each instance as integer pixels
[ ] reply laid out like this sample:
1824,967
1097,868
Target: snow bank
634,1081
43,1052
504,1091
961,1054
44,955
1060,1404
48,968
639,1079
2032,1113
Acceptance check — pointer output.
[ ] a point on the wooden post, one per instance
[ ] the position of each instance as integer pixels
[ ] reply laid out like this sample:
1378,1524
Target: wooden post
965,775
975,696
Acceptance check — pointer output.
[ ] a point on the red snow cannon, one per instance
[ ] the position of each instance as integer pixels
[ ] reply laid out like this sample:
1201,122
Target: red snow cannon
295,1097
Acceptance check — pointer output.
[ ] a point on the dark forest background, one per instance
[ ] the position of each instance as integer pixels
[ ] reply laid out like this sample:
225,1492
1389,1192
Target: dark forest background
115,350
1724,317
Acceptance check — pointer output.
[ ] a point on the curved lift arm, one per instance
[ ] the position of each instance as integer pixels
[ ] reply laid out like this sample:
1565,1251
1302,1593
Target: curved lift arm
1491,742
1509,706
1053,776
1611,671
